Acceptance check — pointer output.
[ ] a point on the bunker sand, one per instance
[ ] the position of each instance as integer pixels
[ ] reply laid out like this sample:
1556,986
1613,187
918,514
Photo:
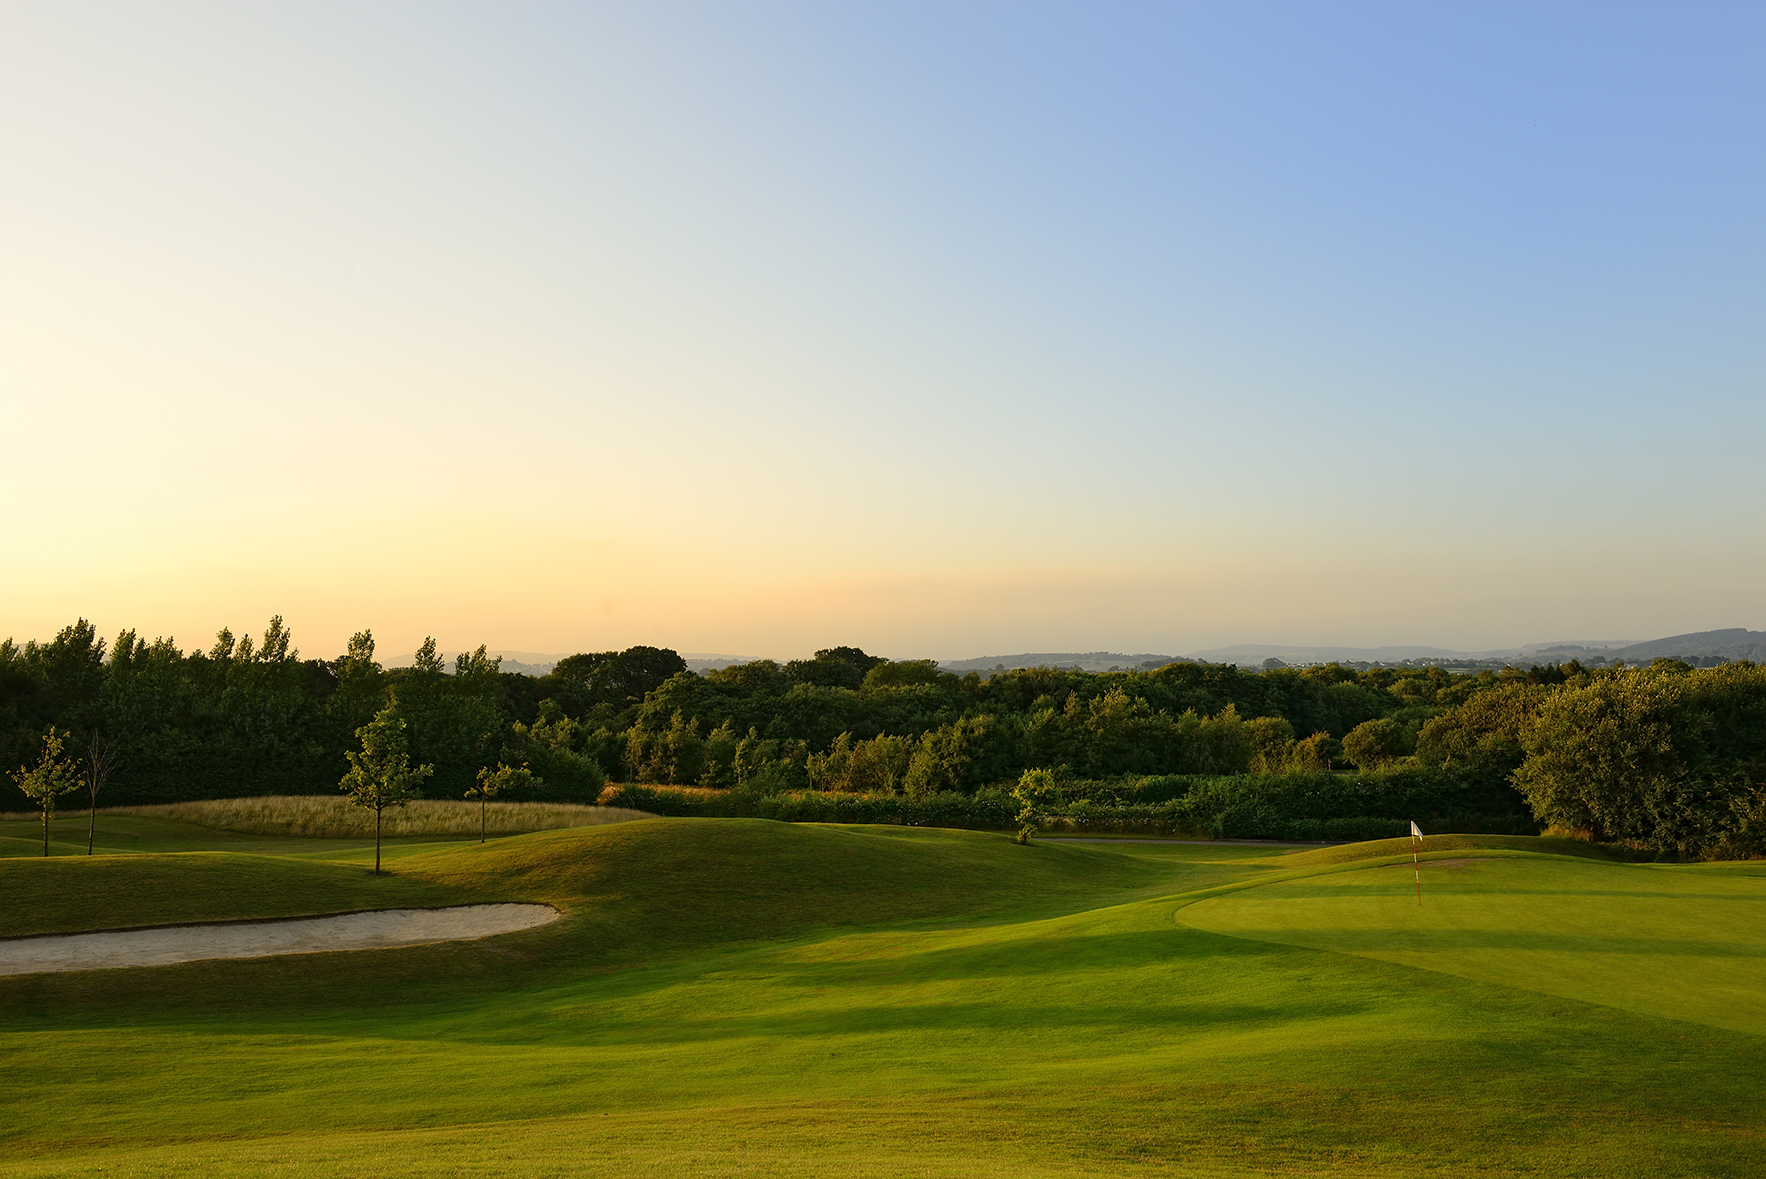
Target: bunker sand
379,929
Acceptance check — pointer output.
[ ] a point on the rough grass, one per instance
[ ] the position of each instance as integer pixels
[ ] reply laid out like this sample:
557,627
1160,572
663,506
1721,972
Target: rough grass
323,817
744,998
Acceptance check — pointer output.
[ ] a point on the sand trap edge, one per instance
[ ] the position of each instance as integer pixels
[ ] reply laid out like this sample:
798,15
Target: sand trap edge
368,929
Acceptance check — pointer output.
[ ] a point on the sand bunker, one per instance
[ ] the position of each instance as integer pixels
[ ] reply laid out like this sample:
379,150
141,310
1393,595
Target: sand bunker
258,939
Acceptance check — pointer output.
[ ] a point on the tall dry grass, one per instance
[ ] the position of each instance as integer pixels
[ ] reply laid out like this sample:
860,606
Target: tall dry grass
334,818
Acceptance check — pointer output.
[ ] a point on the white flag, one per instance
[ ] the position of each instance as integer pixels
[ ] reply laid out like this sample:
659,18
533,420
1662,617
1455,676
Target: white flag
1415,830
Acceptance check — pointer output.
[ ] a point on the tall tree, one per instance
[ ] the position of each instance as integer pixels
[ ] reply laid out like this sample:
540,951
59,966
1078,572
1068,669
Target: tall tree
381,774
52,777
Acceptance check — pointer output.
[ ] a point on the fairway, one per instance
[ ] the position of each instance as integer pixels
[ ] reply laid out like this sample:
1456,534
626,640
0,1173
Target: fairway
742,998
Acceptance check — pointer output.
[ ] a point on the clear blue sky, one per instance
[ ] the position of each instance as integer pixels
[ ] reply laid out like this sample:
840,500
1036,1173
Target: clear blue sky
942,329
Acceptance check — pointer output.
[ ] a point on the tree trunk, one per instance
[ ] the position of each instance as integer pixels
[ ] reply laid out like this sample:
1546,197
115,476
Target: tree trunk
481,818
377,814
92,827
45,832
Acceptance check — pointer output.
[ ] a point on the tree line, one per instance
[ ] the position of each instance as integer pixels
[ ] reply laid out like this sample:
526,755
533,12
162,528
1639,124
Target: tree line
1666,757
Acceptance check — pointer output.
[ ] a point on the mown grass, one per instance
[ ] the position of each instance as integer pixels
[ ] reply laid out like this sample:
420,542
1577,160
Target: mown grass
752,998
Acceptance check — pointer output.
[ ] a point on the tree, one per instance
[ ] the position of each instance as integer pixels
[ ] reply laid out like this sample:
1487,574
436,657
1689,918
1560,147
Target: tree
835,667
492,782
612,678
1662,757
1481,740
1034,792
101,758
52,777
381,774
904,672
452,720
1373,743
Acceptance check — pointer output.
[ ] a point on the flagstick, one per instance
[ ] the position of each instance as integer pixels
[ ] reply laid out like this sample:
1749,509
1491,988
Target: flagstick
1416,866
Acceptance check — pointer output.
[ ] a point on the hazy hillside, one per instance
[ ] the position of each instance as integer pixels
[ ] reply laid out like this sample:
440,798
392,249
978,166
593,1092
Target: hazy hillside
1078,660
1253,654
1734,643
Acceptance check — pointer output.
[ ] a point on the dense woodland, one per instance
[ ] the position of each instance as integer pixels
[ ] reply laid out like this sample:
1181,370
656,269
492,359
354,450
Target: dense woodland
1665,758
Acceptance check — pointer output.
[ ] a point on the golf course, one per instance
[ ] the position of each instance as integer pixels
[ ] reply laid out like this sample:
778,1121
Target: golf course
742,997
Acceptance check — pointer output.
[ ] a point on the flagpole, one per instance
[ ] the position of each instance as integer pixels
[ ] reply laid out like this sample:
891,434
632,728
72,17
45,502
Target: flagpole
1416,864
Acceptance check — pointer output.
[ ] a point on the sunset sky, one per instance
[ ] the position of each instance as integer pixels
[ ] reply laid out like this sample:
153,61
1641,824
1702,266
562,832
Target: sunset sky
940,329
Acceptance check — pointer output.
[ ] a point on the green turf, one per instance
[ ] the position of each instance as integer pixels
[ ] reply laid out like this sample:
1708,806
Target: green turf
750,998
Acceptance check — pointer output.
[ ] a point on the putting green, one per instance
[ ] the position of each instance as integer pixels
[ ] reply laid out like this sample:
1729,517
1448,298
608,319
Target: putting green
1682,942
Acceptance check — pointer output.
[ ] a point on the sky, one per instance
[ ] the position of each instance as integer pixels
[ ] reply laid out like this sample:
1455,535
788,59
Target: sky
938,329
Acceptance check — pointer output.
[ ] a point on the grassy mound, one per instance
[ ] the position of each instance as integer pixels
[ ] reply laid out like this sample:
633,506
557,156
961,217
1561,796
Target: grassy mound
674,882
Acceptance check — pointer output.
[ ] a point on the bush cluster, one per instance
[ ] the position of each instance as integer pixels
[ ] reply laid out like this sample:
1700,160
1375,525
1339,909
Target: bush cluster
1301,806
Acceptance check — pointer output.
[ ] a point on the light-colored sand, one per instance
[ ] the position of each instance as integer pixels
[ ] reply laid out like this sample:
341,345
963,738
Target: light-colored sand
258,939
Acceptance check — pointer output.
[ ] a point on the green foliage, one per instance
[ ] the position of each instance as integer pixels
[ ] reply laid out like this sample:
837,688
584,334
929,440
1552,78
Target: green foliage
1035,791
674,754
504,778
877,766
611,679
1335,806
987,810
1375,743
381,774
566,770
1295,806
52,777
1671,767
453,720
1663,757
1481,738
959,757
836,667
904,673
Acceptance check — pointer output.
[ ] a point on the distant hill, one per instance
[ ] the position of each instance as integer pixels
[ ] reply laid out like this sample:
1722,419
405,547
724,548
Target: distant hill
1734,643
1706,647
1071,660
1253,654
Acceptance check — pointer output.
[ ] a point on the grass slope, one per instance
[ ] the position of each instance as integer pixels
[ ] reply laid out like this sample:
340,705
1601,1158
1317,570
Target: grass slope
751,998
1677,942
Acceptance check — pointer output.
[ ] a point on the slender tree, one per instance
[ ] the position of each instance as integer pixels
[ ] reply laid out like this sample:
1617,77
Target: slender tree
52,777
101,758
492,782
381,774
